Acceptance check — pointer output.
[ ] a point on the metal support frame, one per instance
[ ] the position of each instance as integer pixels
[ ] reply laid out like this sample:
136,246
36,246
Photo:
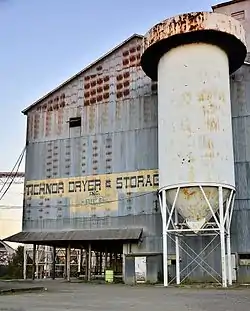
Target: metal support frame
24,262
34,262
89,262
54,263
68,262
218,226
79,261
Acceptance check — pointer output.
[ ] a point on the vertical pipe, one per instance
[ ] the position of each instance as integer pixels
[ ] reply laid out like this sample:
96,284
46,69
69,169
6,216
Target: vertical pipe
54,263
68,263
24,262
79,261
165,240
65,264
106,258
115,264
100,263
37,260
229,258
177,252
34,262
86,264
46,261
89,263
222,239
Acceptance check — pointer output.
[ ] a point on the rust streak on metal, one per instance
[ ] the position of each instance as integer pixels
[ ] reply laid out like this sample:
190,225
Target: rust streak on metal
190,22
188,193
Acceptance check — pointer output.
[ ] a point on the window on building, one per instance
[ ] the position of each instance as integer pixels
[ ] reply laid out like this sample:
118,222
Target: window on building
240,15
75,122
75,127
244,256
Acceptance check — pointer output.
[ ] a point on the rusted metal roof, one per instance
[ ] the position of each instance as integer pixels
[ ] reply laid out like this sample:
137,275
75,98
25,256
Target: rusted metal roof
77,235
219,5
82,71
207,27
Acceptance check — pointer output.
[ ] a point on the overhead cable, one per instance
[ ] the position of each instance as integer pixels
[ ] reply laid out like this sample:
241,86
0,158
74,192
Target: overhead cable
12,175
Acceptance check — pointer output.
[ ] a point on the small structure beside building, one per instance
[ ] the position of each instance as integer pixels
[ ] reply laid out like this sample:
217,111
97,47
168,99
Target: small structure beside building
6,252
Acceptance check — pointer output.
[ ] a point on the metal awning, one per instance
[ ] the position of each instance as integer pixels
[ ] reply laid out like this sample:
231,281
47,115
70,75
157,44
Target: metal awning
123,234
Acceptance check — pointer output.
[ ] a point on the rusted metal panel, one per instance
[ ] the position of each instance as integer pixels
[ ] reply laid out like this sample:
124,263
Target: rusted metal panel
191,22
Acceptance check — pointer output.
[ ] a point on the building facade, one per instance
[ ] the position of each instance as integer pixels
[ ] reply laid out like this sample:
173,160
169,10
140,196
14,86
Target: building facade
91,159
92,166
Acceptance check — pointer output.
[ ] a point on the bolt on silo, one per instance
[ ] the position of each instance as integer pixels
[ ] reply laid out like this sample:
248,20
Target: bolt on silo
191,56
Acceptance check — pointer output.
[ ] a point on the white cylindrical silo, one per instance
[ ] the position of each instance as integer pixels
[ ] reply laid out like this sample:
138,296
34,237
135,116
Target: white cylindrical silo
191,56
194,127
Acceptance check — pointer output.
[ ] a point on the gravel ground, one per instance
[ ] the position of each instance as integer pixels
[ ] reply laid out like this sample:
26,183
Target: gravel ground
90,297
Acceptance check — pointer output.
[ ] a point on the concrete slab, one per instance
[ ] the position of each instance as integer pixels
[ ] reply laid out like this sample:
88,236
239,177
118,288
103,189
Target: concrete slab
93,297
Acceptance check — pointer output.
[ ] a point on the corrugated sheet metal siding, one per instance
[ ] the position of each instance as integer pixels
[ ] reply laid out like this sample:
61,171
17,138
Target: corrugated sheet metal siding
48,119
107,117
125,151
240,97
151,223
117,135
128,134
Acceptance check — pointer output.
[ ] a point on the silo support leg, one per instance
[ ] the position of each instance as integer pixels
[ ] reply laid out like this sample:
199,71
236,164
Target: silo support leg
177,251
222,240
229,259
165,239
229,212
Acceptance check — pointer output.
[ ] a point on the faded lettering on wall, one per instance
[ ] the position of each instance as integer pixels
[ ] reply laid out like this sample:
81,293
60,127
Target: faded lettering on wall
95,190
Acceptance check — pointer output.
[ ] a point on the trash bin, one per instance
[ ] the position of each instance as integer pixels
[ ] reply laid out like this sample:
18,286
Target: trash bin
109,276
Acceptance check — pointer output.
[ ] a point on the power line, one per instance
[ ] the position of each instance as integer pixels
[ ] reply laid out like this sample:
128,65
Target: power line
11,173
18,164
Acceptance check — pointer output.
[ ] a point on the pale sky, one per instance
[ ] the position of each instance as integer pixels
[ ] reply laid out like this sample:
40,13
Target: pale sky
44,42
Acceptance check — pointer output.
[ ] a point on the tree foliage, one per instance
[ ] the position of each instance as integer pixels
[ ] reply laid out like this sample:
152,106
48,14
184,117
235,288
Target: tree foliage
15,266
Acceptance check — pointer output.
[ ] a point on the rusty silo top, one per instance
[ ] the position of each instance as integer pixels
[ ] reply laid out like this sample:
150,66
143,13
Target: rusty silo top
207,27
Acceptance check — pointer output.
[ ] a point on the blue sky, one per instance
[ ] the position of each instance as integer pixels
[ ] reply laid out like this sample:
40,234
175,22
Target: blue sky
44,42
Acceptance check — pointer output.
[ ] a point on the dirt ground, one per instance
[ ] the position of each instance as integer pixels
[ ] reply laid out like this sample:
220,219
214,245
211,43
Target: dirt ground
91,297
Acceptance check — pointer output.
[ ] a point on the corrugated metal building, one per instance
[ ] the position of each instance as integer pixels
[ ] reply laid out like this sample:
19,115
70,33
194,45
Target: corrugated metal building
92,160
